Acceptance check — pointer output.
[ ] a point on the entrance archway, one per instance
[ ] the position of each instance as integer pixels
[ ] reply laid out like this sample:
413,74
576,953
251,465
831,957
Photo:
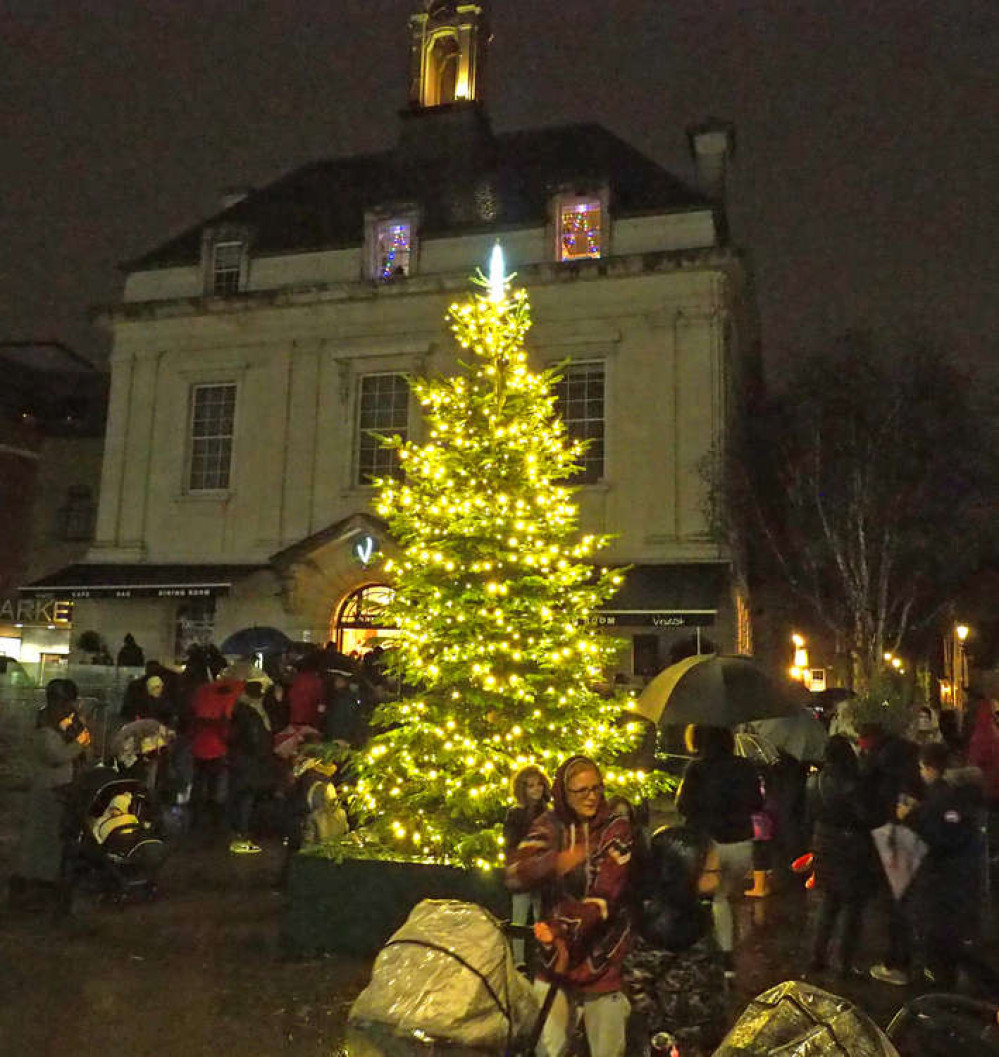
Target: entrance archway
359,622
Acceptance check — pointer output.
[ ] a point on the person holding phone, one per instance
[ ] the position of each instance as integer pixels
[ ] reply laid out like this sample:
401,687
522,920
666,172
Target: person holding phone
59,746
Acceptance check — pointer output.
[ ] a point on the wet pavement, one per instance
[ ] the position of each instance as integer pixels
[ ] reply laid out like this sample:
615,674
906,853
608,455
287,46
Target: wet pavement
200,972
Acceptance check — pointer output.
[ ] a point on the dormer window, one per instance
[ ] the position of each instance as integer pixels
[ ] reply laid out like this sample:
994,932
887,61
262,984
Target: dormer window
227,268
580,223
391,246
225,260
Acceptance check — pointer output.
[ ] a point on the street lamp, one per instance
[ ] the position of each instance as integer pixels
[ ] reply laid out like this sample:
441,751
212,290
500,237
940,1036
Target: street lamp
800,657
961,632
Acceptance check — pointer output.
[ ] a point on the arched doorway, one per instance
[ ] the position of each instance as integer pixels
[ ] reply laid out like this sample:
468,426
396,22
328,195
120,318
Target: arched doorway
359,623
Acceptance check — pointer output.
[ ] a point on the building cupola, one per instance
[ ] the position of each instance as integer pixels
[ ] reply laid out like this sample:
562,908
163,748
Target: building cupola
447,54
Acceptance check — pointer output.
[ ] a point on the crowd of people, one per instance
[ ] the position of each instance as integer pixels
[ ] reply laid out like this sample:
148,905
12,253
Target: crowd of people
635,929
219,746
641,931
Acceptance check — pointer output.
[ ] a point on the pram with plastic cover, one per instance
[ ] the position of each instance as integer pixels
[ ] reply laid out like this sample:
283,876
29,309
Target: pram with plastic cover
445,980
112,837
796,1019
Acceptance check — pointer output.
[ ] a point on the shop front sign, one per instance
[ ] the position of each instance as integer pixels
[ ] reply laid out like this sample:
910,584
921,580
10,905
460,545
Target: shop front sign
40,611
652,620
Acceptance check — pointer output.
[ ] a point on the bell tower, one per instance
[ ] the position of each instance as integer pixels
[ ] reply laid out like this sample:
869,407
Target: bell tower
447,54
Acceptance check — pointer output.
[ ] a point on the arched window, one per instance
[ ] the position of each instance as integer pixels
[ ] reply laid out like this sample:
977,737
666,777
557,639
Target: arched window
361,616
441,82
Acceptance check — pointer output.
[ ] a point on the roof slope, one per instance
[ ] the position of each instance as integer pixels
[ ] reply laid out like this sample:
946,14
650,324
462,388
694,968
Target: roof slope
505,183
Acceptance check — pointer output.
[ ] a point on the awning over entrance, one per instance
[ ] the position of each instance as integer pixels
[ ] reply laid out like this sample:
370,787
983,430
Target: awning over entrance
140,581
666,596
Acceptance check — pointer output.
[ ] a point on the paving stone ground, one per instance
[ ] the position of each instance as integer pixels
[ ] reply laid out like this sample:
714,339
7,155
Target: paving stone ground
200,972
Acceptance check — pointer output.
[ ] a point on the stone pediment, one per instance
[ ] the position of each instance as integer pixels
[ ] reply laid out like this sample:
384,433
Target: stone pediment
321,569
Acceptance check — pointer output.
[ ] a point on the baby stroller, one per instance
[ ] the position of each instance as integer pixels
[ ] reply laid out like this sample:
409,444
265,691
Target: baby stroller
112,838
445,981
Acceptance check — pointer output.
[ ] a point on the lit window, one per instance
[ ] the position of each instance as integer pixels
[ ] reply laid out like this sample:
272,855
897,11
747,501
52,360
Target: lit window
580,228
580,396
213,413
393,249
383,411
227,268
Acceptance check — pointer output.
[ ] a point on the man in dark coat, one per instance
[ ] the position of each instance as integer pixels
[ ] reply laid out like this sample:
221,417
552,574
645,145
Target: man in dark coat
944,819
251,764
130,655
889,770
845,867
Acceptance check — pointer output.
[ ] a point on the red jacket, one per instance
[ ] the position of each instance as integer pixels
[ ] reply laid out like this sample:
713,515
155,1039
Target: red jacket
983,749
588,907
306,700
211,708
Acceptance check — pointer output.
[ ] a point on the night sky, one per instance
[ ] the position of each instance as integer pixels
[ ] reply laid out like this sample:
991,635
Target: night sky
864,185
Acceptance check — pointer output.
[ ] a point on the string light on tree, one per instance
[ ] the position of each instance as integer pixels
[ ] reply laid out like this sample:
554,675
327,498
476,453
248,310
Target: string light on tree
494,590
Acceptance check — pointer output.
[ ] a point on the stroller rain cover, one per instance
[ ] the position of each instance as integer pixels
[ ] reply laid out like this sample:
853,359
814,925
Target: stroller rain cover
796,1019
448,974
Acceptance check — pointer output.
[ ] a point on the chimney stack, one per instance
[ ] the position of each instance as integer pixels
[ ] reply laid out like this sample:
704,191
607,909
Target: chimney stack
712,147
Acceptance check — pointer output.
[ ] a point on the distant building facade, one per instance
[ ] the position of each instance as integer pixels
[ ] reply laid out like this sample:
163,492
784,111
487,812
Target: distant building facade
53,405
257,356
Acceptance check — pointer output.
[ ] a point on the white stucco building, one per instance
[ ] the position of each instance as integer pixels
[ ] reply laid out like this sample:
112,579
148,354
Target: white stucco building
254,354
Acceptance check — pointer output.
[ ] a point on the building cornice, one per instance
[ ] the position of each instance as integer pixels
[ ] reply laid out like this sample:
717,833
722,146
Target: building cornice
548,273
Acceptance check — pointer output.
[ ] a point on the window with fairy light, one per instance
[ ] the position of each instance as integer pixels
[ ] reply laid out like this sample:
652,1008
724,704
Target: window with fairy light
393,249
580,228
580,402
382,411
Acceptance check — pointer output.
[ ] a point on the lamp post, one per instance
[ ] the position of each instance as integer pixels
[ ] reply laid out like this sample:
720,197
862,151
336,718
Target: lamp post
960,681
800,663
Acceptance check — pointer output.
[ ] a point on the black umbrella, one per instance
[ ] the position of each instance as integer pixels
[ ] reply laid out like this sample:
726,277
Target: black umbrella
715,691
253,640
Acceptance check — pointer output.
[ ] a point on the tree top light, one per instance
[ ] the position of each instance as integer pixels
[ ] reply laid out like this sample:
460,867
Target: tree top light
497,275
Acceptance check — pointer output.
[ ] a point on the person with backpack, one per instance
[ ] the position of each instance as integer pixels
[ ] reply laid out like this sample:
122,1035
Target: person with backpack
578,855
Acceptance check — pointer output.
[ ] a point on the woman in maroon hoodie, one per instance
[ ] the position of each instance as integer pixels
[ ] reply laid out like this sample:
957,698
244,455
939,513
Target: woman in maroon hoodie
578,856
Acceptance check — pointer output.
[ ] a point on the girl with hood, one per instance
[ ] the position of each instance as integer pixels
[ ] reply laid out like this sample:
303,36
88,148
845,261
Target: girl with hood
532,792
578,856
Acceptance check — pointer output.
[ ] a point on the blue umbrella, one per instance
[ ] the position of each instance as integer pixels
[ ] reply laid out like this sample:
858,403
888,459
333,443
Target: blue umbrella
248,641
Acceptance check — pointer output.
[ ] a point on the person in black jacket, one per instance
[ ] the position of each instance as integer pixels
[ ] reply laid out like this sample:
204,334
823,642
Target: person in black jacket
718,796
889,770
845,868
944,819
251,764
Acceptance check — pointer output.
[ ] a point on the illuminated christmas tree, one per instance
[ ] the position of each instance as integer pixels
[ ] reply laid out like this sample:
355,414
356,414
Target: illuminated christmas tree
494,589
